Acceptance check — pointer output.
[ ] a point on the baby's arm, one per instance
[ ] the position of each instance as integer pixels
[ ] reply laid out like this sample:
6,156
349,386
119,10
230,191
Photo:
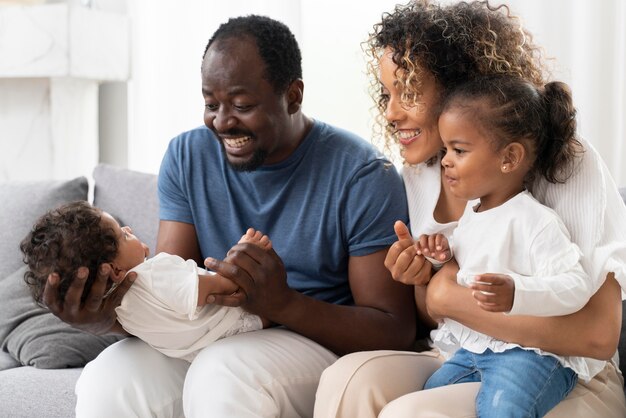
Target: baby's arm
435,248
214,284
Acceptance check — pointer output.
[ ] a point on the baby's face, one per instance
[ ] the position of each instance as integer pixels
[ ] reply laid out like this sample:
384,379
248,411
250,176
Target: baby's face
131,251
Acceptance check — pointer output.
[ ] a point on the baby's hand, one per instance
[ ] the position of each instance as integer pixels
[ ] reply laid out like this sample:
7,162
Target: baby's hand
434,246
257,238
494,292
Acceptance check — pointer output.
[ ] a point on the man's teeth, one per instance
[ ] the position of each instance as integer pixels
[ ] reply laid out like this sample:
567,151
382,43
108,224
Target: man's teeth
237,142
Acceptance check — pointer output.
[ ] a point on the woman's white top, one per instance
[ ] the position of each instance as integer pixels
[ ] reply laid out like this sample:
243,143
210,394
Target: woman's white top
161,308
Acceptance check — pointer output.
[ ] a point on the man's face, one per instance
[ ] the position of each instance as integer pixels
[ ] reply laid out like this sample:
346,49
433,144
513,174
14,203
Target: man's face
241,107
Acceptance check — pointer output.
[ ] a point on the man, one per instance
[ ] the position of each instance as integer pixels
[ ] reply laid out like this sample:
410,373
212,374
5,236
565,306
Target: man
324,197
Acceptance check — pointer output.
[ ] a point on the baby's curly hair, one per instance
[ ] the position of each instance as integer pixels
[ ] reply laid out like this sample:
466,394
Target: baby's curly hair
63,240
455,43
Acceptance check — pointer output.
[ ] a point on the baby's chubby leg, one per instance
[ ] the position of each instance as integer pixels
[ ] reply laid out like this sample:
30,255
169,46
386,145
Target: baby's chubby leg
255,237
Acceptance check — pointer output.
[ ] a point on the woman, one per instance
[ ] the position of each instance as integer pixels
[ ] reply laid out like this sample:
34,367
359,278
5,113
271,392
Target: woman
418,53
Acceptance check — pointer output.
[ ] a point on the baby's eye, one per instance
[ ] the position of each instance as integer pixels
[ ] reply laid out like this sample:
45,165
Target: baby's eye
459,151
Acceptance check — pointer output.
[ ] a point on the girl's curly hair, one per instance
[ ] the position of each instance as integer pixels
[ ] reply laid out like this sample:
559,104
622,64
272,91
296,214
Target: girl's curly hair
455,43
63,240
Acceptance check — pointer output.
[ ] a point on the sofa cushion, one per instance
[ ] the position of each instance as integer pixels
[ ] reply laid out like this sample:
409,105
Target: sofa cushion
131,197
35,337
27,392
22,203
28,332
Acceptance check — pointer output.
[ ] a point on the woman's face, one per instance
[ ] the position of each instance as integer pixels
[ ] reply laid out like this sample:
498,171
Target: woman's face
415,127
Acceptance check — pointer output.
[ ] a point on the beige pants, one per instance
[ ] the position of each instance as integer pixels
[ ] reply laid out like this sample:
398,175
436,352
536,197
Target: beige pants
387,384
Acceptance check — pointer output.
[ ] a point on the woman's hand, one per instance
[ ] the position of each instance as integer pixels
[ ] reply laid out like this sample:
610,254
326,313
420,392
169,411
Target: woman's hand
439,290
97,314
402,260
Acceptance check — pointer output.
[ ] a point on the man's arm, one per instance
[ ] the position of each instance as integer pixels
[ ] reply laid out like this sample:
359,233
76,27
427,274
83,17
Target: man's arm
180,239
383,316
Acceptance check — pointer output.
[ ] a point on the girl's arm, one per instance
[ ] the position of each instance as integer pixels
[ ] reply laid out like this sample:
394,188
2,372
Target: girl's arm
591,332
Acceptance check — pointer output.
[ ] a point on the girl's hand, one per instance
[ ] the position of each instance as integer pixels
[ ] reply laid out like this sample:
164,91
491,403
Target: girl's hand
402,260
494,292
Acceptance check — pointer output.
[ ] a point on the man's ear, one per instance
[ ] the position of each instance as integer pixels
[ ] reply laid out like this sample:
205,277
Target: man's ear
295,93
513,156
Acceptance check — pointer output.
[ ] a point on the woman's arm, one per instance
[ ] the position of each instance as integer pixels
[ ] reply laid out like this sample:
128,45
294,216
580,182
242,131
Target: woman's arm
591,332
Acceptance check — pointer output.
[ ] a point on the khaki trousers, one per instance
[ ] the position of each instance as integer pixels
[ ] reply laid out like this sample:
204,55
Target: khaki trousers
387,384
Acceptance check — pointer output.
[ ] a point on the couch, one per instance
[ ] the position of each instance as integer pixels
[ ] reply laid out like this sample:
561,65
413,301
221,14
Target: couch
40,357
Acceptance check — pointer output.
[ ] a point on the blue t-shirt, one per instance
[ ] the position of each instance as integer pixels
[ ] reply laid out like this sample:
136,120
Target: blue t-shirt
333,197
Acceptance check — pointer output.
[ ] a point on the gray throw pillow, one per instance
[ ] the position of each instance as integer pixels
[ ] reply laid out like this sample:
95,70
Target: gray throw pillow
33,336
131,197
29,333
22,202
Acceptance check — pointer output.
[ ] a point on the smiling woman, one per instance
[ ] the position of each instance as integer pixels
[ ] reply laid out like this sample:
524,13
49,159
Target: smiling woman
418,49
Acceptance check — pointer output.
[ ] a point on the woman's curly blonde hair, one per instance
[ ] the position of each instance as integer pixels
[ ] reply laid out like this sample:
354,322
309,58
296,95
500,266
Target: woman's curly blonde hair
455,43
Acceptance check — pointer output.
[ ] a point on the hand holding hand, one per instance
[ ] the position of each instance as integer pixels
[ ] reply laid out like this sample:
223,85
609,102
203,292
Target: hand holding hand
435,246
261,277
494,292
405,265
97,314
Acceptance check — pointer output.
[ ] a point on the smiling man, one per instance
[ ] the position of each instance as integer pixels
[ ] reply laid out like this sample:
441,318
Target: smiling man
327,200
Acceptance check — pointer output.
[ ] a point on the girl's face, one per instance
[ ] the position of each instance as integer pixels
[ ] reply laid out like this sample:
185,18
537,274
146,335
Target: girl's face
415,127
472,167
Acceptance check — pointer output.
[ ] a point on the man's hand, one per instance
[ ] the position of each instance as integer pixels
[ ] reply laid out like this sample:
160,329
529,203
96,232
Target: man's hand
96,315
403,261
494,292
261,277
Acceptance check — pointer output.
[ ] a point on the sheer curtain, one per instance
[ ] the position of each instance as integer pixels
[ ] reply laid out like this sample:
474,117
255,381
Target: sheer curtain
586,38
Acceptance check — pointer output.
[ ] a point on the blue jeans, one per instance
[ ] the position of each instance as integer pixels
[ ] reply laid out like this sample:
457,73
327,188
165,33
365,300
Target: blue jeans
514,383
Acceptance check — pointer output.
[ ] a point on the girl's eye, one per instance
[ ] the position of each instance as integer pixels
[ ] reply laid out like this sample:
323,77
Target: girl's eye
459,151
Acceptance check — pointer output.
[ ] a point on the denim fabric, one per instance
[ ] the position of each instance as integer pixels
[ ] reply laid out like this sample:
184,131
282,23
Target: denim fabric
514,383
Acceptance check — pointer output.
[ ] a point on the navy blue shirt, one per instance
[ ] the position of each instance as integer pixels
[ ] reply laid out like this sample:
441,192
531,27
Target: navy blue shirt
333,197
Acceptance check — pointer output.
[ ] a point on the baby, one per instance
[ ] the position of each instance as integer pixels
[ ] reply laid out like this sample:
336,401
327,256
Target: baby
166,306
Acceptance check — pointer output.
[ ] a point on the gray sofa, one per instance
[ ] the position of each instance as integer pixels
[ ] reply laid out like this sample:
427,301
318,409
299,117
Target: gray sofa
40,357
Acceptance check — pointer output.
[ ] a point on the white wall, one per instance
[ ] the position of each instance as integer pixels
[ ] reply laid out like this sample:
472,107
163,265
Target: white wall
163,98
169,38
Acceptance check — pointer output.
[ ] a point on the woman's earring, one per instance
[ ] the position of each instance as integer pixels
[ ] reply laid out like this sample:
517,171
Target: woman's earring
505,168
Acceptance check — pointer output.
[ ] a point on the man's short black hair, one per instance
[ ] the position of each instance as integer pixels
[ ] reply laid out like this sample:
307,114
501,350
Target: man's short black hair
277,47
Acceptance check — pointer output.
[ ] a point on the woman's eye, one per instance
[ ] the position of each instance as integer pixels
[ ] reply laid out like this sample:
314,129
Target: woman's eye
210,107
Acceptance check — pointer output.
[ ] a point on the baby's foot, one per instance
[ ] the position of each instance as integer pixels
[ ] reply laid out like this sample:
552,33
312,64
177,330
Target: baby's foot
255,237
